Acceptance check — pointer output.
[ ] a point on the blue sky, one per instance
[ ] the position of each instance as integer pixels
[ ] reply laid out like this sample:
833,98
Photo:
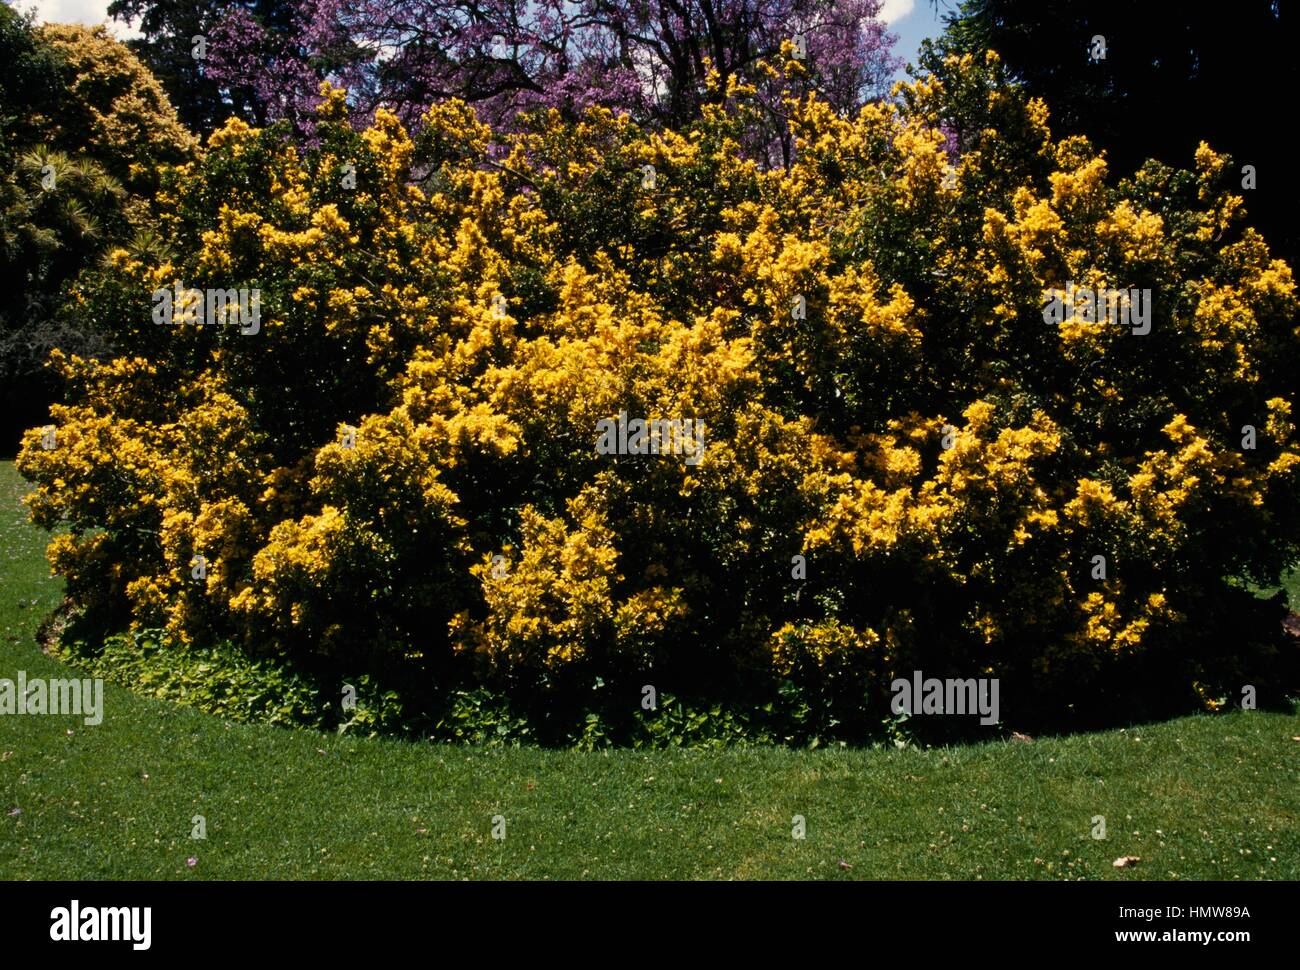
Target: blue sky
913,21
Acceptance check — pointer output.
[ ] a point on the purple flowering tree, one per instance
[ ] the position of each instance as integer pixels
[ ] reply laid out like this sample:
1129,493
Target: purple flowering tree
649,58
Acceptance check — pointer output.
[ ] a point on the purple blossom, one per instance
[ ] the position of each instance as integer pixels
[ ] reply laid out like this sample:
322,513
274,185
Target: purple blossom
506,57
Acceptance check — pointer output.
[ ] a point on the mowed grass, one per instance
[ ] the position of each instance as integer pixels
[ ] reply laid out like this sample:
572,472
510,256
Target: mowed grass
1201,797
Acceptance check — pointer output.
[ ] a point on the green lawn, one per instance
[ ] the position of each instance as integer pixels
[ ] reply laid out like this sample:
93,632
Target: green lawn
1201,797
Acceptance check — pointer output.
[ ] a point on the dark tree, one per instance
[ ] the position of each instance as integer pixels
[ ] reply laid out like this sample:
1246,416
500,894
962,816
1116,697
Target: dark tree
1173,74
167,49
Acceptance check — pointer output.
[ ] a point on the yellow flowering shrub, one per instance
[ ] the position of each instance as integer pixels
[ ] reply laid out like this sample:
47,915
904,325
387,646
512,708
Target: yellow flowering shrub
886,458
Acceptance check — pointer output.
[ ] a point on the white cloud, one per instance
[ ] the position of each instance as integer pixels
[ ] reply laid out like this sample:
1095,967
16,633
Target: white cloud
892,11
88,12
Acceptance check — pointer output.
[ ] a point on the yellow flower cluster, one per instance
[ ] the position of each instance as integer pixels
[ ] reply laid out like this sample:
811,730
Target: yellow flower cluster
900,458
